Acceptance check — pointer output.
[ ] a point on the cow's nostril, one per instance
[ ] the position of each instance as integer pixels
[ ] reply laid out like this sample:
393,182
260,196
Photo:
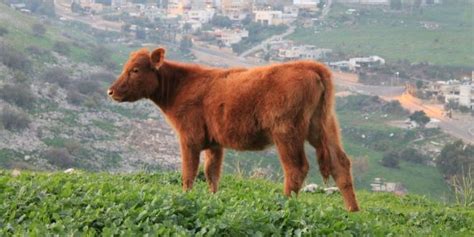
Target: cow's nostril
110,92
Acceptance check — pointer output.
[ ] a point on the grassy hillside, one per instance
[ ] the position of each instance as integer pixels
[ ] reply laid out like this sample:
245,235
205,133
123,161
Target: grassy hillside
97,203
399,35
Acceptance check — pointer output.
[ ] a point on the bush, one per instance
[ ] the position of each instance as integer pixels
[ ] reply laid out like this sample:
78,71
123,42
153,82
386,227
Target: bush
390,159
394,107
38,29
455,157
57,76
413,155
14,59
59,157
3,31
74,97
20,95
61,48
14,120
103,76
87,87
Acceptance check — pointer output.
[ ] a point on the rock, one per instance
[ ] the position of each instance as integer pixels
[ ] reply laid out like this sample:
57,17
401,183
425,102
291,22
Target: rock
310,188
16,173
70,171
331,190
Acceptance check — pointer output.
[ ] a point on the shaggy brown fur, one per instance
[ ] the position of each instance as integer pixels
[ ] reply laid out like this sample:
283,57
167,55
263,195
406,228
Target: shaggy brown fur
243,109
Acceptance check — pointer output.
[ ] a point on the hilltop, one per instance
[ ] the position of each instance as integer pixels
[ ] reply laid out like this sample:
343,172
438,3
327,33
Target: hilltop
131,204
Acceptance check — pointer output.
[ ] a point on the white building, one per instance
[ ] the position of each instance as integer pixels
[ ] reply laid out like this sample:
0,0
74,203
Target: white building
268,17
203,16
463,94
306,3
230,36
366,2
303,52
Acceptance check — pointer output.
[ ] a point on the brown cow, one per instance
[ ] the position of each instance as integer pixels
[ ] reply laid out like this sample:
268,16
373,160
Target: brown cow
243,109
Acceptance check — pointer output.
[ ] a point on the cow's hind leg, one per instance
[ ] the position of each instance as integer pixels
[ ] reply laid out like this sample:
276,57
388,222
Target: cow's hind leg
189,165
293,160
333,160
213,167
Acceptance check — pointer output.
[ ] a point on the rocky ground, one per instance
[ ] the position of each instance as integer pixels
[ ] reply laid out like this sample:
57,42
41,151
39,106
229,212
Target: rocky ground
133,136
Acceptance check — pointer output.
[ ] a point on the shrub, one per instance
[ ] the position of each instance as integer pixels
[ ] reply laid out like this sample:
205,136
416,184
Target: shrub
18,94
59,157
390,159
102,76
394,107
3,31
14,120
57,76
13,58
38,29
61,48
455,157
413,155
87,87
74,97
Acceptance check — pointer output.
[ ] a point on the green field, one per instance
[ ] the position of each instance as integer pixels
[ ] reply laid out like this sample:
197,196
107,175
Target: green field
88,204
399,35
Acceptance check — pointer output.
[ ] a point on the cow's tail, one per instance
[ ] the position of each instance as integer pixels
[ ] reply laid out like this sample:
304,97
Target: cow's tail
324,126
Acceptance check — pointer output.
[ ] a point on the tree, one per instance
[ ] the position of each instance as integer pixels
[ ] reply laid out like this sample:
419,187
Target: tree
420,118
419,84
455,157
221,21
390,159
38,30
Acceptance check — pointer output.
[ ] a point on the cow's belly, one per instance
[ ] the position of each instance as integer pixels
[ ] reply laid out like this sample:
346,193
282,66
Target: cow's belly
257,140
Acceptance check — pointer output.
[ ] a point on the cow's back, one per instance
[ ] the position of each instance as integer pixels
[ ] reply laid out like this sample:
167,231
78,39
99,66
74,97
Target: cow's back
243,108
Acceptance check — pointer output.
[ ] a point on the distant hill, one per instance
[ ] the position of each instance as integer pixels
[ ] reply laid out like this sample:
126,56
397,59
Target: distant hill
38,204
440,34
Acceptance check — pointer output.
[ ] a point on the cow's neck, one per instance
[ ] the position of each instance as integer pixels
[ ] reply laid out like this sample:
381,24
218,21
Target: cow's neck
171,76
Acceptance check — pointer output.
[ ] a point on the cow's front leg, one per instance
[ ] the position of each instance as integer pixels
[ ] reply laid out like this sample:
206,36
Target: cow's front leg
189,165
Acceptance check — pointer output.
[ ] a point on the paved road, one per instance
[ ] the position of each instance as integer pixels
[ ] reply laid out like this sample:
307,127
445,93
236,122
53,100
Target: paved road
462,129
289,31
264,43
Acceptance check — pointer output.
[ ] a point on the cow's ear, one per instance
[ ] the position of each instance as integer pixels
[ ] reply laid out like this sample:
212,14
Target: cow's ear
158,57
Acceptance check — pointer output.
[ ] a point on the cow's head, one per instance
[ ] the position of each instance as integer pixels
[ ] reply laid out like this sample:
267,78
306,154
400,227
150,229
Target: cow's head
138,79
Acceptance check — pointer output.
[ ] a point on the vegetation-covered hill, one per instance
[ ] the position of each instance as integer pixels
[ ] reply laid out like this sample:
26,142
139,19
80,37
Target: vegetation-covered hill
109,204
439,34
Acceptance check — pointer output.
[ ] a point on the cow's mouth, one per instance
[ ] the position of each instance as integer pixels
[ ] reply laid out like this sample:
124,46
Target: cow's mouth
118,98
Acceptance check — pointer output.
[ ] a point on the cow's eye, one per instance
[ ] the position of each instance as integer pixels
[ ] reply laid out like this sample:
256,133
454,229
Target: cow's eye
135,70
